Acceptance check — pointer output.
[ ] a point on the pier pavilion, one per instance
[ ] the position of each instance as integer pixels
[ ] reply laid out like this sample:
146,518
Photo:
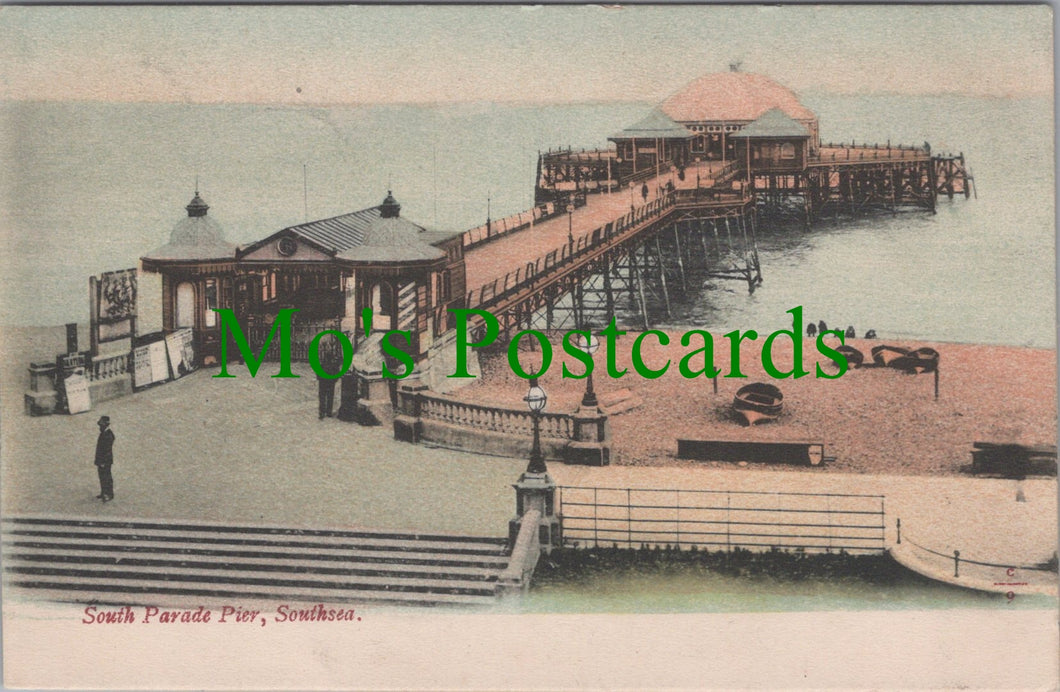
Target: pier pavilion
327,269
735,130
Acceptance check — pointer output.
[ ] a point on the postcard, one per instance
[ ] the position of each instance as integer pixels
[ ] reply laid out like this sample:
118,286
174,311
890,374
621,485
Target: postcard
528,347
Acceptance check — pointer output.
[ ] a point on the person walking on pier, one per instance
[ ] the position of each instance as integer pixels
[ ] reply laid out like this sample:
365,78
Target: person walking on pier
644,191
104,459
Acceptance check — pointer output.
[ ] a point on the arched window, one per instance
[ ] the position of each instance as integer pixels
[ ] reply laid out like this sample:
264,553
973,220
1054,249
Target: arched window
787,150
382,306
185,305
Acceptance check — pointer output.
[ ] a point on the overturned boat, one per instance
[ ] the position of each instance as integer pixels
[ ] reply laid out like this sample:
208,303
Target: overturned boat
883,356
855,358
757,402
918,361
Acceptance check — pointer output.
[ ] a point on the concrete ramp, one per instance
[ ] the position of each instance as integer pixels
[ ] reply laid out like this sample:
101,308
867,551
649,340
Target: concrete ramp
967,571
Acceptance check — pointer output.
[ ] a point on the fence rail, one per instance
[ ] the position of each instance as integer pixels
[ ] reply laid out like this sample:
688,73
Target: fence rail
959,560
870,152
722,519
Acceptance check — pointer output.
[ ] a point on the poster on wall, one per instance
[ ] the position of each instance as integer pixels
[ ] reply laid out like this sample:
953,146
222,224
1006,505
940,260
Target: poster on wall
78,398
181,348
159,365
150,363
115,299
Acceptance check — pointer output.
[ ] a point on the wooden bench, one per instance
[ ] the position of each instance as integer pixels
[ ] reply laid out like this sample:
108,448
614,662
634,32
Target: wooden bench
797,452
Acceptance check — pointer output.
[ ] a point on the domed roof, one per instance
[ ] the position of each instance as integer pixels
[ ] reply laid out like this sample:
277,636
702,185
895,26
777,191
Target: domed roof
195,237
733,97
388,238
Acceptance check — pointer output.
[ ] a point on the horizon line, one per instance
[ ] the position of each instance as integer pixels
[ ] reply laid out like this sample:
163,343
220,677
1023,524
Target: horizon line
1014,95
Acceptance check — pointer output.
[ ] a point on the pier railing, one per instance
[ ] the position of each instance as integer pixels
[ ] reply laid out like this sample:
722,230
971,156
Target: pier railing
509,224
513,281
721,519
857,153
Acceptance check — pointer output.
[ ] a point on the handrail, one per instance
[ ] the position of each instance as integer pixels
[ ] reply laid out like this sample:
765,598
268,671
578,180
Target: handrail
719,492
816,522
958,557
495,228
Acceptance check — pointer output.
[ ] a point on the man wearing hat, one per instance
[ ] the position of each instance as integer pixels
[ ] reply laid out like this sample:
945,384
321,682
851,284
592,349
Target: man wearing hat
104,459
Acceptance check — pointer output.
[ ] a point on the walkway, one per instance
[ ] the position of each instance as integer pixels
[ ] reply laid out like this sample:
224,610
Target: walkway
498,257
980,517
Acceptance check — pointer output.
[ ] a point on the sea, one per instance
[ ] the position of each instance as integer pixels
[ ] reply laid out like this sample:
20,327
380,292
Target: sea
91,187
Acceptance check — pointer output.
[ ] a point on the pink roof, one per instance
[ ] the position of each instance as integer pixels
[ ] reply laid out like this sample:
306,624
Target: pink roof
733,96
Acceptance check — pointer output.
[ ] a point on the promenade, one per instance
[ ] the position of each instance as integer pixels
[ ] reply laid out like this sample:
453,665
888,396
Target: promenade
252,450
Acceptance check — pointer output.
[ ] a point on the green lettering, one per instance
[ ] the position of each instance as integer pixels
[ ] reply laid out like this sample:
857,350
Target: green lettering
829,352
230,326
513,354
638,362
573,350
611,333
735,337
394,351
797,370
462,345
708,355
314,354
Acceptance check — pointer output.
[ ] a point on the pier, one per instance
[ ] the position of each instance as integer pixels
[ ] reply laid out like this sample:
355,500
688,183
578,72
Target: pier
683,192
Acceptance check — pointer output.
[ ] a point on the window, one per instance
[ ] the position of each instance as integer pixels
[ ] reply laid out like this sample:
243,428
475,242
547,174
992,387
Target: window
787,150
185,305
445,287
210,317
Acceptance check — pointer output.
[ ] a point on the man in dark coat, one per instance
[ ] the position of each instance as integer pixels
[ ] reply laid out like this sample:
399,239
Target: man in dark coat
104,459
331,363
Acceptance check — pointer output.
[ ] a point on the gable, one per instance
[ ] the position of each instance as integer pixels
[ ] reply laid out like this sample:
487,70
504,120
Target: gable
285,246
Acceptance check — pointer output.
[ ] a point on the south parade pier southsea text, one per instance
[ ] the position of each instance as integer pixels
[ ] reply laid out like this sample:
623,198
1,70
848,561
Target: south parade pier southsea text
227,614
697,362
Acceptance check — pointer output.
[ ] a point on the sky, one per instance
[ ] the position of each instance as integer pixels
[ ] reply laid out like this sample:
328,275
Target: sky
556,54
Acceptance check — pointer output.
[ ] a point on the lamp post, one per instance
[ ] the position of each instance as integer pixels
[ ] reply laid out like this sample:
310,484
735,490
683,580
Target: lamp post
570,228
590,346
632,206
535,400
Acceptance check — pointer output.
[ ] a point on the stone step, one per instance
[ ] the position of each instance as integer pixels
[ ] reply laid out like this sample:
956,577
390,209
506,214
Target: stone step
292,539
175,595
218,577
159,563
227,528
49,555
123,549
